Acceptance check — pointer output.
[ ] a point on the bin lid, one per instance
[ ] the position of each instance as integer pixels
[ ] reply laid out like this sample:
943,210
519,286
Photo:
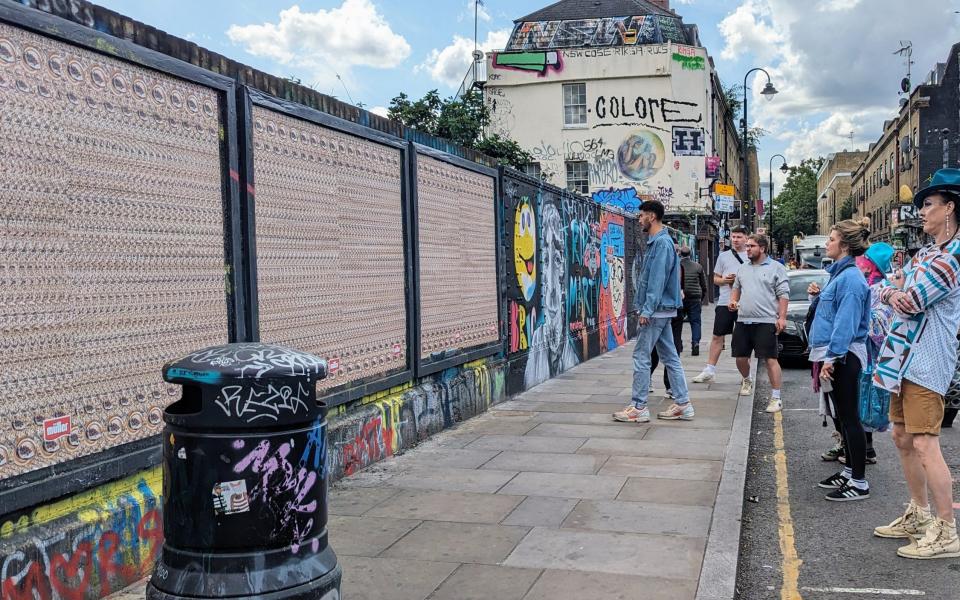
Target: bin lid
249,360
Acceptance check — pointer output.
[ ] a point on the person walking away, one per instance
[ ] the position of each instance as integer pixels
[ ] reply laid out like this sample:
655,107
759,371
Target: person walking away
657,299
874,264
922,339
764,287
724,272
838,350
694,285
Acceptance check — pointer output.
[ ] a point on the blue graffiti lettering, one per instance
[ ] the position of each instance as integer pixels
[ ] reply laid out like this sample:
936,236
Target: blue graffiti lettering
625,199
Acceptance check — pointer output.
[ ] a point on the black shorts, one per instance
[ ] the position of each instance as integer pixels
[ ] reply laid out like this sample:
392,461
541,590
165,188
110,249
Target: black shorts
759,338
723,320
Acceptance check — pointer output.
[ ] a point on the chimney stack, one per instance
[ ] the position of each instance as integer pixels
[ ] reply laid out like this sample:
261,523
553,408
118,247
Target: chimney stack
664,4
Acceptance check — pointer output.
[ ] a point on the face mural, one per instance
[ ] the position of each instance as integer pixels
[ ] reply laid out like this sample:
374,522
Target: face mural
568,289
554,266
525,248
641,155
613,315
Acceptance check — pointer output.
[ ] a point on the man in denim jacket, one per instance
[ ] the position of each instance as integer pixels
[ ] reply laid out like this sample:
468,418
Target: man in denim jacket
658,299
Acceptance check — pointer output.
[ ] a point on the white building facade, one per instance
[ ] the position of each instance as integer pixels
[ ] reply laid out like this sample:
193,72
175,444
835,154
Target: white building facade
620,108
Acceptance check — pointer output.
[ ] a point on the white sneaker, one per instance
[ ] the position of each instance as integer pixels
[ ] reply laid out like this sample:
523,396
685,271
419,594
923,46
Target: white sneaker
776,405
746,387
704,377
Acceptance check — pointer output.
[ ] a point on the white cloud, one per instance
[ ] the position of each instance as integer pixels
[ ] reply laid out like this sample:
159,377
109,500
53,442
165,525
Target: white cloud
833,64
355,34
749,30
449,65
383,111
482,12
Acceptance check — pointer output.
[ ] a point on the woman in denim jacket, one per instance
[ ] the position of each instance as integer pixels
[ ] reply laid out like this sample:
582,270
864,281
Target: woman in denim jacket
838,349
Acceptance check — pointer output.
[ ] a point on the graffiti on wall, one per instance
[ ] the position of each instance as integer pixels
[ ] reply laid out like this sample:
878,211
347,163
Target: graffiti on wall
530,62
641,155
115,544
608,31
612,300
574,303
688,141
625,199
647,110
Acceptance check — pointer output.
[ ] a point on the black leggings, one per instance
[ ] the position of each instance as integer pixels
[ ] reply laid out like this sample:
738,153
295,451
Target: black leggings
846,403
655,358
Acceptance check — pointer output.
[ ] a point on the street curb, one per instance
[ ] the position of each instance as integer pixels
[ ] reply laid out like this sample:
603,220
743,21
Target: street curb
718,574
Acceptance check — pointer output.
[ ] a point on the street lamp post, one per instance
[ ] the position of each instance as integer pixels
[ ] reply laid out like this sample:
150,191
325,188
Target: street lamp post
768,92
824,196
783,169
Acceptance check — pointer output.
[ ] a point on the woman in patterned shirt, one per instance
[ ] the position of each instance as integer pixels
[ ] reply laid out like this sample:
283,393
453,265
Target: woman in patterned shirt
922,338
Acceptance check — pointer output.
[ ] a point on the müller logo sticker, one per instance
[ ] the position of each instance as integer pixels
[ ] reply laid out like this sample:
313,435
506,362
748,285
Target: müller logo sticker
54,429
397,351
333,365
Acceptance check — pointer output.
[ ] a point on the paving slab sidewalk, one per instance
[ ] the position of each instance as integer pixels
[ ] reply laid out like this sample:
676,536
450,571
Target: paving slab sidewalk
546,497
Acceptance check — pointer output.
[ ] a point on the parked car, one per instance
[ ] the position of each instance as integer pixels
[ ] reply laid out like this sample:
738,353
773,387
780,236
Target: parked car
793,339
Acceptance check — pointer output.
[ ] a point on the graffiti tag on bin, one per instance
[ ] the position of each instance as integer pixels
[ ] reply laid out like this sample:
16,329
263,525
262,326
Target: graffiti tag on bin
54,429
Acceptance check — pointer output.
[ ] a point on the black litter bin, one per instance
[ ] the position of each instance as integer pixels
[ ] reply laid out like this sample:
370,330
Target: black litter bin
244,478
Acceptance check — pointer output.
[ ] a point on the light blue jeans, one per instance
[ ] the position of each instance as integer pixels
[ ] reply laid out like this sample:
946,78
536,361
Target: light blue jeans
657,334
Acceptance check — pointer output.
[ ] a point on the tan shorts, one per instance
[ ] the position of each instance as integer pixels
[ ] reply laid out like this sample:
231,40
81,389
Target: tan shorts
917,408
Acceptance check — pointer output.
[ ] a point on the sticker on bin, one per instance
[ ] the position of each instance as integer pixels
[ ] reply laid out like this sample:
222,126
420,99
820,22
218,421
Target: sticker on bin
230,497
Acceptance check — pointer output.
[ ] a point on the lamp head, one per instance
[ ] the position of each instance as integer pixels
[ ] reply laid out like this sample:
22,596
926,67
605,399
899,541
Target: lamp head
768,91
784,168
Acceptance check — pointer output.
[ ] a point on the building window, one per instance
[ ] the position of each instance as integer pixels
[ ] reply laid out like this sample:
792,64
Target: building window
533,170
574,104
578,176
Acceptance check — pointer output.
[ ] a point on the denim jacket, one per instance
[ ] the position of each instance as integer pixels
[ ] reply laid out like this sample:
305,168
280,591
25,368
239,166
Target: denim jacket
658,287
843,314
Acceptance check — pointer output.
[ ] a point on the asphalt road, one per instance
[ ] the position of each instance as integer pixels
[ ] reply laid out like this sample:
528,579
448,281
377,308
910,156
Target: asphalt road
840,558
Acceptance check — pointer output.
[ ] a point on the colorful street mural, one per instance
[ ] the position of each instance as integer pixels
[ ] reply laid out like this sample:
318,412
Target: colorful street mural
537,62
641,155
568,289
608,31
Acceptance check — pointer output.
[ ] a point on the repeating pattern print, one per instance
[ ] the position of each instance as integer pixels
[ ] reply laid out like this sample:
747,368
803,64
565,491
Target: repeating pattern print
456,211
111,239
930,275
330,247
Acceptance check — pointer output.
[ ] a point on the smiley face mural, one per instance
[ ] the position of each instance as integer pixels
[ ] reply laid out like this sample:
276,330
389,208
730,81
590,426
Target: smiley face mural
641,155
525,248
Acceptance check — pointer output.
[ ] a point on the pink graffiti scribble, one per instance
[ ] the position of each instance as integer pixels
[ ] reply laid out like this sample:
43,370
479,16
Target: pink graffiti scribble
278,479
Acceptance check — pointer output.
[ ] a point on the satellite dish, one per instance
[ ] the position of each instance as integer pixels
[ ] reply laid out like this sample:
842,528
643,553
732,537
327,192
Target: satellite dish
477,55
903,102
905,85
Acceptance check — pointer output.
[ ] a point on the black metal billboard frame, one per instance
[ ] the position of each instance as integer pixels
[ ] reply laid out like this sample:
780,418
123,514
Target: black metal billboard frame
47,483
429,366
247,98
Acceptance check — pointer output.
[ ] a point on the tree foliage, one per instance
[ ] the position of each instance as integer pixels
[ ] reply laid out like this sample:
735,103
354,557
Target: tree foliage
733,94
846,209
795,207
460,120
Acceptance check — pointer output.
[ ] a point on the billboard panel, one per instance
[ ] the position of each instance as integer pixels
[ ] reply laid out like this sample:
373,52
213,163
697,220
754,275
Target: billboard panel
111,246
330,246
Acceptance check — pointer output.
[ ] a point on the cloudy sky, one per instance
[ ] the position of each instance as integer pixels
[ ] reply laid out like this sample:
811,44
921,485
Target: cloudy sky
832,60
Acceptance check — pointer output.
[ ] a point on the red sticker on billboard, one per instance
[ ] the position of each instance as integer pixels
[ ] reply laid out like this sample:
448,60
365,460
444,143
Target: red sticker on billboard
333,365
397,350
57,428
